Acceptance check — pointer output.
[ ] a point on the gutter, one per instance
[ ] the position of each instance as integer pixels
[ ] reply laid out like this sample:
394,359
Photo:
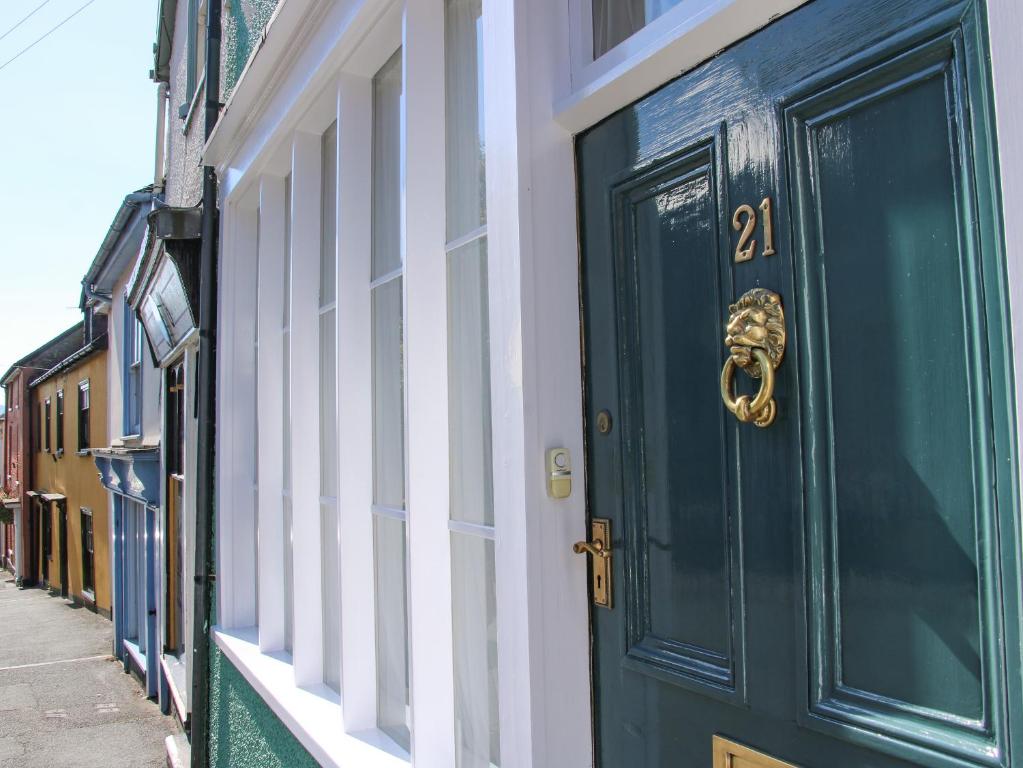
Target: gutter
96,345
205,490
100,264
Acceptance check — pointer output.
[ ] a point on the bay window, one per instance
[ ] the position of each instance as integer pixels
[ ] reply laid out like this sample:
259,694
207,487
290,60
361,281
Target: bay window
364,223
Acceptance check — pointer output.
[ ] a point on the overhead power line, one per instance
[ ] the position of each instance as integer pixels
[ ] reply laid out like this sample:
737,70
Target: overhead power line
32,45
30,15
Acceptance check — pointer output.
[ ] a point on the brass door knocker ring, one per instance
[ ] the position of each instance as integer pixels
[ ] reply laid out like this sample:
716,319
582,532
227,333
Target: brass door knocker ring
755,336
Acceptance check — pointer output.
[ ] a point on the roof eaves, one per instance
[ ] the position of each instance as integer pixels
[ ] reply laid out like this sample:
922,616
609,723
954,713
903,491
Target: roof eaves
164,41
96,345
25,361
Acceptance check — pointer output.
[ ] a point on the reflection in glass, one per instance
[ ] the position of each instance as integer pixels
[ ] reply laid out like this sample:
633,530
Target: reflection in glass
474,620
392,629
615,20
469,385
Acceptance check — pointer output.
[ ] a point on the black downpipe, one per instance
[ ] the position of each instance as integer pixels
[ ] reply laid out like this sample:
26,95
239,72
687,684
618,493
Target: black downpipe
207,397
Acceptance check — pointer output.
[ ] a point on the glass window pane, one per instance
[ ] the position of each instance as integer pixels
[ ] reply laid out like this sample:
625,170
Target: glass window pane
392,629
387,167
474,626
286,282
286,408
615,20
328,405
331,585
328,217
289,579
466,189
469,385
388,397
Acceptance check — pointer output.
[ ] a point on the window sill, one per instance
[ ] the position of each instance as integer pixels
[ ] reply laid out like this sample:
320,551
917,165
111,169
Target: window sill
193,104
312,714
174,673
137,657
83,452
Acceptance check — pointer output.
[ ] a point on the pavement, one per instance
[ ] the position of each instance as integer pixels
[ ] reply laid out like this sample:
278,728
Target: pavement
65,702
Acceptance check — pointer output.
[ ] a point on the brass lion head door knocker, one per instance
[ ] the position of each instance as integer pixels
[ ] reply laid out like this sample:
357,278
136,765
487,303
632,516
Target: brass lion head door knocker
755,336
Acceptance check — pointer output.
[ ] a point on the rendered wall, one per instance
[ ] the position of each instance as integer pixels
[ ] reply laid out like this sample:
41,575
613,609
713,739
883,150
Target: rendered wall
75,476
243,25
243,729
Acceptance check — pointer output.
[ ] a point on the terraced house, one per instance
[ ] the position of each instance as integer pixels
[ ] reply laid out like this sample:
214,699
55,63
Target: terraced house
71,528
603,382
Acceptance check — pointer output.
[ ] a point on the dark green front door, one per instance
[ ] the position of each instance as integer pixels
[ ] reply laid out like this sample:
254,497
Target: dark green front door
839,588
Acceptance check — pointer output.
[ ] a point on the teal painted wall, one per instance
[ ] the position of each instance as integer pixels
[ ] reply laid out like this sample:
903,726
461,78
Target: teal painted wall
244,732
243,25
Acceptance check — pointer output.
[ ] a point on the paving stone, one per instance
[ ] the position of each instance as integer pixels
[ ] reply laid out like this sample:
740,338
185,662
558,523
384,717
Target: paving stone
65,701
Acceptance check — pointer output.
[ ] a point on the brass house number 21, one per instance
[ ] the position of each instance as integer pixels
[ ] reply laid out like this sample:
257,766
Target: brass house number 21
745,219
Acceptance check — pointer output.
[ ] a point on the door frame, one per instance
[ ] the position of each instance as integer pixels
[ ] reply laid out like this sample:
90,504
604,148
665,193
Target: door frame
65,590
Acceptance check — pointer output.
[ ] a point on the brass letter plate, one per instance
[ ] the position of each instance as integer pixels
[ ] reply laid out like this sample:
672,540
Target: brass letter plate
728,754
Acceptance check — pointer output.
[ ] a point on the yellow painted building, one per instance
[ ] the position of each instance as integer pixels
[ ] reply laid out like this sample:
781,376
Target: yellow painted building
69,511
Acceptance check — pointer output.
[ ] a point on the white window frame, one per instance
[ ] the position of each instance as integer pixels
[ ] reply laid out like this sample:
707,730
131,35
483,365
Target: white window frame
536,58
676,41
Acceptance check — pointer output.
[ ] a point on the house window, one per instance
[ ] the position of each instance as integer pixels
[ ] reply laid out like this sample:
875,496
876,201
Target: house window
46,424
132,372
473,590
88,551
60,422
387,328
83,416
174,552
615,20
286,506
401,312
40,422
329,531
196,62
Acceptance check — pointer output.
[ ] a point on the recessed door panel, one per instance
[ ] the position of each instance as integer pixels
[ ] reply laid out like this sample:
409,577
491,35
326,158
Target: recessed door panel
898,435
684,604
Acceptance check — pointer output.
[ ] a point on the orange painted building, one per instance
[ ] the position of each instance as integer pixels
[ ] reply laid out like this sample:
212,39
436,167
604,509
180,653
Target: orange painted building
67,503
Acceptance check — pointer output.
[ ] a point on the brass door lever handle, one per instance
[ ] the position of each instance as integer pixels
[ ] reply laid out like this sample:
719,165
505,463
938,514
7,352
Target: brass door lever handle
595,548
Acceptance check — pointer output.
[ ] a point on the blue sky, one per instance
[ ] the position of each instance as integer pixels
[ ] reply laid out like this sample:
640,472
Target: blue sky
77,134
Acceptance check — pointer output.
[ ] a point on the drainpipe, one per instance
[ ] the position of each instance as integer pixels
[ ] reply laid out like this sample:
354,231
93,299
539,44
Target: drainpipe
205,490
161,138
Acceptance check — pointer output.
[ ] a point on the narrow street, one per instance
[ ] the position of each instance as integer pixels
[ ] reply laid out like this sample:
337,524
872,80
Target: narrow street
64,700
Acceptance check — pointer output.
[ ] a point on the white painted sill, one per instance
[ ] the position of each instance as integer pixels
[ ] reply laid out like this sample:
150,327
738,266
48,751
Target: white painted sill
137,657
312,714
172,685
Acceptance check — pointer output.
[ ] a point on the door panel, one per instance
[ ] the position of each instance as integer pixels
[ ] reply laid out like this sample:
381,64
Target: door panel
684,618
893,379
834,590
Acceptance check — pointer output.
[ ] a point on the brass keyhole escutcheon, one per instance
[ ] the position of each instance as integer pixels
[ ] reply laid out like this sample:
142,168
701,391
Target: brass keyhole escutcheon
598,547
755,337
604,422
